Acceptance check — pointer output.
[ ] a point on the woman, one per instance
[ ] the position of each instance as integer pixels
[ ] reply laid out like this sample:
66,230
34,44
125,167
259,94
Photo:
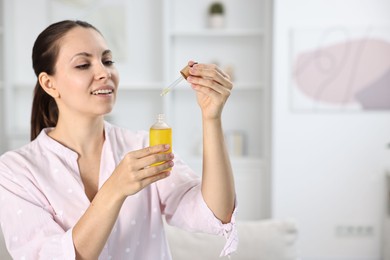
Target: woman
83,188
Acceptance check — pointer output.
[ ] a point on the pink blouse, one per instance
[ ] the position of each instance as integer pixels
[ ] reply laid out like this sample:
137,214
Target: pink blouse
42,197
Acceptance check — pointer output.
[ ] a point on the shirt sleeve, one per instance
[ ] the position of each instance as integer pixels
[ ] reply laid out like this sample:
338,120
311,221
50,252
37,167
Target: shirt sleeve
184,206
29,227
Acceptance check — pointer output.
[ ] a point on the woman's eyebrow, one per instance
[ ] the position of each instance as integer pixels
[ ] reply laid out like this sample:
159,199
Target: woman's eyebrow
106,52
86,54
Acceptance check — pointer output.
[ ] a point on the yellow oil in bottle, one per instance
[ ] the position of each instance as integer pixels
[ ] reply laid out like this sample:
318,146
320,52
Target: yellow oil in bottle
160,133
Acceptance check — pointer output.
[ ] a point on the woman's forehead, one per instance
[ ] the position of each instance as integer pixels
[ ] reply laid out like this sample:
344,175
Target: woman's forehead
80,39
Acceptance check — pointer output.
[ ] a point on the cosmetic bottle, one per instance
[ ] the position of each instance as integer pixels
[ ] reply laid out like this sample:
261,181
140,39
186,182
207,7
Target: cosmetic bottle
160,133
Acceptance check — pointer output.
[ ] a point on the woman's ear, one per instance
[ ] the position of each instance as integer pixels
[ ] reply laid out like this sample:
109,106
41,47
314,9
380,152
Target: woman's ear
46,83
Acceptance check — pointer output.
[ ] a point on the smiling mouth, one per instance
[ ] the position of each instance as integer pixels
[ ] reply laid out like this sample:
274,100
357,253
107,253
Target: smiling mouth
102,92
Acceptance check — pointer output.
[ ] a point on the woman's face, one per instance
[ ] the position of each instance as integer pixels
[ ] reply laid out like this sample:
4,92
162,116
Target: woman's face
85,76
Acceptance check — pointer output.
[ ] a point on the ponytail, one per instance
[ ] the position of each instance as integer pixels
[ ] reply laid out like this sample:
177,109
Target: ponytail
44,111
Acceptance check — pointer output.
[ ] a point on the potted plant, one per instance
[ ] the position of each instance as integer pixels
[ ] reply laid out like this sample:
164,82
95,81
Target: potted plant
216,15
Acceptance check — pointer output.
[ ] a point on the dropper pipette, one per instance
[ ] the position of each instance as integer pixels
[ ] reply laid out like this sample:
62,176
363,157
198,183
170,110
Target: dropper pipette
172,85
184,74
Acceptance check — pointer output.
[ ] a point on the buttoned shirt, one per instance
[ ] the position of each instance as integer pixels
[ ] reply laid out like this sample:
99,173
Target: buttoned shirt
42,197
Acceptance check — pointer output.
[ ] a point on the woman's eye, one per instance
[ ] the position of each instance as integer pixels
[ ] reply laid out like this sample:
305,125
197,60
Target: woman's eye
108,62
83,66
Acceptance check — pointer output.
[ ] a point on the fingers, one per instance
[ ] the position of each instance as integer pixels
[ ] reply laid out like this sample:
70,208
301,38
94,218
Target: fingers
152,174
197,83
150,150
209,75
140,168
192,63
147,181
155,170
225,75
157,159
140,159
210,87
208,70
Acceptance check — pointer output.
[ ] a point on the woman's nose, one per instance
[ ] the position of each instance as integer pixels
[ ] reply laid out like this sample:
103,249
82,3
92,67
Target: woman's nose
102,72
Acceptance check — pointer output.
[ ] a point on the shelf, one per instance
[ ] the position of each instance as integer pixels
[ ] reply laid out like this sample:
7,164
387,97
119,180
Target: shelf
141,86
248,86
219,33
240,165
238,160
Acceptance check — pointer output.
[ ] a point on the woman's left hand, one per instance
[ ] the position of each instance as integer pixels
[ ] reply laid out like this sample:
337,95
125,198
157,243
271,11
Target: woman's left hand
212,86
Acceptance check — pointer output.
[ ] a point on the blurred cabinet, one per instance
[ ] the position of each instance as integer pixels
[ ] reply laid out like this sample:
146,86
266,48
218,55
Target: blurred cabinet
241,47
152,40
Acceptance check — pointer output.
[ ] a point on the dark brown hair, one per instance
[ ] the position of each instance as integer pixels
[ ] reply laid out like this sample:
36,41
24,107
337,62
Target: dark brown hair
44,57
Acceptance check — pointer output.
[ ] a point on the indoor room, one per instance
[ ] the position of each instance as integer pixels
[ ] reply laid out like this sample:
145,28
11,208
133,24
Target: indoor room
306,124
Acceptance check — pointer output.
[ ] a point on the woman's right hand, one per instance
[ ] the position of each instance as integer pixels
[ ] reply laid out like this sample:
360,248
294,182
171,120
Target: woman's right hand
135,171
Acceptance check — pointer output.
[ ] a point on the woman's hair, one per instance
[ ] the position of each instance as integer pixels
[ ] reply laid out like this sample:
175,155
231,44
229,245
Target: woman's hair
44,57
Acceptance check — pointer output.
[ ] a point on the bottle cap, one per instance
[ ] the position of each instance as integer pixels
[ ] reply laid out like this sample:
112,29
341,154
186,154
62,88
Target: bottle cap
185,72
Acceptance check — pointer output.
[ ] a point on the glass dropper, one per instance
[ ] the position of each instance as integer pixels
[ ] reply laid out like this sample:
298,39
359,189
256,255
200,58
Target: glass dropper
172,85
184,74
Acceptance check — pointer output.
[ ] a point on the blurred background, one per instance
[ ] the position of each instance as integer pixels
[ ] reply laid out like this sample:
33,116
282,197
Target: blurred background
308,121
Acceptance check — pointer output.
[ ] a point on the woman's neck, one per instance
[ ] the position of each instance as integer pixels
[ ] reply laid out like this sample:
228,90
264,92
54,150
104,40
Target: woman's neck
82,136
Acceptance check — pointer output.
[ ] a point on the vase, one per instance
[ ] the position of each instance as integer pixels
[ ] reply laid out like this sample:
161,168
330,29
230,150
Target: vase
216,21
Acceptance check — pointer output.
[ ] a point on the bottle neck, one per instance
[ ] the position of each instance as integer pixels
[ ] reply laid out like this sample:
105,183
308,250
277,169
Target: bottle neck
160,118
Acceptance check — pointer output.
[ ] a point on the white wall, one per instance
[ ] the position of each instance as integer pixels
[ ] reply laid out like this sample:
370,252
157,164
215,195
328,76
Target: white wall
328,167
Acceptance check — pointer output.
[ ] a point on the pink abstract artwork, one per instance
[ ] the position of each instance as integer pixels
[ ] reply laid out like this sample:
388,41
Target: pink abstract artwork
341,73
